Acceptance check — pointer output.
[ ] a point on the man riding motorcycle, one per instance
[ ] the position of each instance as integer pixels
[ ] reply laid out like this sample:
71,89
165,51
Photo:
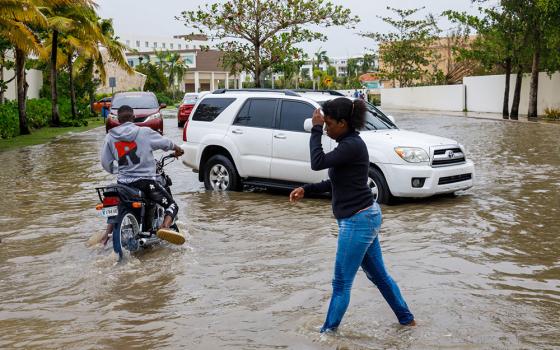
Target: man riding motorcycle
131,147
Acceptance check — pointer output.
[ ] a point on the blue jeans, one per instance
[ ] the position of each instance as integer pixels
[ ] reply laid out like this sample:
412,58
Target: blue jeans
358,245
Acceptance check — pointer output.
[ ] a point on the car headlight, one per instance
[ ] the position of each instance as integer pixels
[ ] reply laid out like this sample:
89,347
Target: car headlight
153,116
412,154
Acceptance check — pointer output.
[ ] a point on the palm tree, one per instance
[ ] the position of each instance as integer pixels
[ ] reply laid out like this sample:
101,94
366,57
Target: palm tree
17,18
95,51
66,19
319,57
176,69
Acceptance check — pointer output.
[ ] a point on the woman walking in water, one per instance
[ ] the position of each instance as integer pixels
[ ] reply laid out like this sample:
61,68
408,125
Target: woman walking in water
357,214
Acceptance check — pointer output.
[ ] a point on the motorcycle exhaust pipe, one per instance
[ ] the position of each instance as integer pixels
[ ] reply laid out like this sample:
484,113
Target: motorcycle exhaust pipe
144,242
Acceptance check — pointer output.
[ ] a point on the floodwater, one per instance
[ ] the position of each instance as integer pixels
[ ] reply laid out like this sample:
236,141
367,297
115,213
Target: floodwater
480,270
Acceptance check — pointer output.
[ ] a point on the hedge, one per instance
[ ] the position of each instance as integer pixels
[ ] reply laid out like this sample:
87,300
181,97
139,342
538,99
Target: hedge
38,115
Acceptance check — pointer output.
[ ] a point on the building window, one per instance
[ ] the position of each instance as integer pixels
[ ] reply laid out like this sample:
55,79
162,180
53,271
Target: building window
128,43
137,43
163,45
179,45
187,46
171,46
155,45
147,44
131,63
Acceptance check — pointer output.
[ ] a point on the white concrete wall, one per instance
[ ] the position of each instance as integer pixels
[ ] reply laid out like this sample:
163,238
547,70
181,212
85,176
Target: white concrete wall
34,79
486,93
438,98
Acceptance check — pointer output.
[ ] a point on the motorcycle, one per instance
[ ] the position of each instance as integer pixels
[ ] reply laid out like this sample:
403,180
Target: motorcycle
135,217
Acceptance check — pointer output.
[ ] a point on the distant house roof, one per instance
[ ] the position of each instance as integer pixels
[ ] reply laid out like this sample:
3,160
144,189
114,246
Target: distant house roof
369,77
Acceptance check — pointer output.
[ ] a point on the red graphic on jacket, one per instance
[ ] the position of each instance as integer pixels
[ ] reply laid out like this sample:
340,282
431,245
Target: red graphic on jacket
127,153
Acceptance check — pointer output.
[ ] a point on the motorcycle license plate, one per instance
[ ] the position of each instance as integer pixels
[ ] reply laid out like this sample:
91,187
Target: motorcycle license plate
110,211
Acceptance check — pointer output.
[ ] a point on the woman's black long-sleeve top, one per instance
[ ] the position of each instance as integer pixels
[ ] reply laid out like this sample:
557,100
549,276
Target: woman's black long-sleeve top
348,166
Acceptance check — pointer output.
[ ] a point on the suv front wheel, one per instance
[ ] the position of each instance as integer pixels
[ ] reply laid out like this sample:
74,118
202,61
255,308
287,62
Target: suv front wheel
378,186
220,175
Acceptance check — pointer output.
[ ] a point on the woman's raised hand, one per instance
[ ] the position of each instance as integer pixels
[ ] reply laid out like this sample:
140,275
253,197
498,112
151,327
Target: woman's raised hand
317,118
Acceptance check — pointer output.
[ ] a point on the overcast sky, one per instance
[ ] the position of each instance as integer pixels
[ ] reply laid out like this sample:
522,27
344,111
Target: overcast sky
156,18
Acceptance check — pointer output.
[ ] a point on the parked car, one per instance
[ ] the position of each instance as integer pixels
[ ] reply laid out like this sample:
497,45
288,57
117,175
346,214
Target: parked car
104,102
146,109
259,137
184,111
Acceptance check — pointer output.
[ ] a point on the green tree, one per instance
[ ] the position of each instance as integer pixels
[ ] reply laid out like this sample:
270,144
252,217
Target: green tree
407,51
500,41
65,19
18,19
156,79
256,34
542,19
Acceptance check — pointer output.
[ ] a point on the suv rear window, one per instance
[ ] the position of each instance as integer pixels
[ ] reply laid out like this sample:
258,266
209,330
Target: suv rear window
257,113
210,108
136,101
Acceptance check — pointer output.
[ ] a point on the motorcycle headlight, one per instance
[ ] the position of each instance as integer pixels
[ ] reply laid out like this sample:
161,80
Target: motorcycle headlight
412,154
153,116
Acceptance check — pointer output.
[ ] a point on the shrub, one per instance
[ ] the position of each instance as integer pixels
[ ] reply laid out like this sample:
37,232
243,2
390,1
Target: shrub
552,113
9,122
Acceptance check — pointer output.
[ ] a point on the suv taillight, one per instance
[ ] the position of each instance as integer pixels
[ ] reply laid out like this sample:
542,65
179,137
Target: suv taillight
185,130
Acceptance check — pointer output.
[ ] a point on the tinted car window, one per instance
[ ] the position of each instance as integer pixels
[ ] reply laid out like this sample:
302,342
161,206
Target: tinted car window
210,108
375,122
141,101
258,113
293,114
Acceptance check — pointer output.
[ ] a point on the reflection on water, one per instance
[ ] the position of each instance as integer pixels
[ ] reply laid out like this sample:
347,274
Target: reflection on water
479,270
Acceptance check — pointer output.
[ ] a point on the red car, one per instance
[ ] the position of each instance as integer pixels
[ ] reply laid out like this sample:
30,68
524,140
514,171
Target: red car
145,106
186,108
98,105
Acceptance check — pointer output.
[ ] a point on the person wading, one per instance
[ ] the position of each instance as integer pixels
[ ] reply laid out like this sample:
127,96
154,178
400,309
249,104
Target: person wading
357,214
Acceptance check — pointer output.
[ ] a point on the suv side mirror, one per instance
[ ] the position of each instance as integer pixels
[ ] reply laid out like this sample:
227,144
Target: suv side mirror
162,105
391,118
307,125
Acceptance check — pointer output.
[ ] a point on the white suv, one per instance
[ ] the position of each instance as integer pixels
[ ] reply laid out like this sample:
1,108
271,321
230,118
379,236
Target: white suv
261,137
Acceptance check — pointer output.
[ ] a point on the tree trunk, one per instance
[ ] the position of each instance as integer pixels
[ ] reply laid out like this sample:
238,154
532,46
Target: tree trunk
72,87
534,86
2,60
257,66
516,95
55,117
505,106
21,92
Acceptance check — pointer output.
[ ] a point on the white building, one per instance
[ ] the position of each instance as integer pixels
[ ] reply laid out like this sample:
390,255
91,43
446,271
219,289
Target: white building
340,63
204,66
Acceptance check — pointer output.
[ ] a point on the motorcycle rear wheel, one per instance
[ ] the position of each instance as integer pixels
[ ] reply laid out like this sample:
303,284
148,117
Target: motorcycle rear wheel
124,235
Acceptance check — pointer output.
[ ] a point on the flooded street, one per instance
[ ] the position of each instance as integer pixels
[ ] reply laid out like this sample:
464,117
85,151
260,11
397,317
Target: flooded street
479,271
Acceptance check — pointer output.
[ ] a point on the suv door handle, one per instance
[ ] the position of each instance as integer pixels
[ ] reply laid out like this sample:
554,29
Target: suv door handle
237,131
280,136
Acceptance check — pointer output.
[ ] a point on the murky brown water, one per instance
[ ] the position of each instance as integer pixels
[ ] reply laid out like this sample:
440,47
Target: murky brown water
480,271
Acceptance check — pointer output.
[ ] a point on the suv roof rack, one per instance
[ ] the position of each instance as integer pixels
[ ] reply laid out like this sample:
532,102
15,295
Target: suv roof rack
284,91
330,92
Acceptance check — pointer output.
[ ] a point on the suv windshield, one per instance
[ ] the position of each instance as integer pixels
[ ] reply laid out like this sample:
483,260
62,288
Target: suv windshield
143,101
